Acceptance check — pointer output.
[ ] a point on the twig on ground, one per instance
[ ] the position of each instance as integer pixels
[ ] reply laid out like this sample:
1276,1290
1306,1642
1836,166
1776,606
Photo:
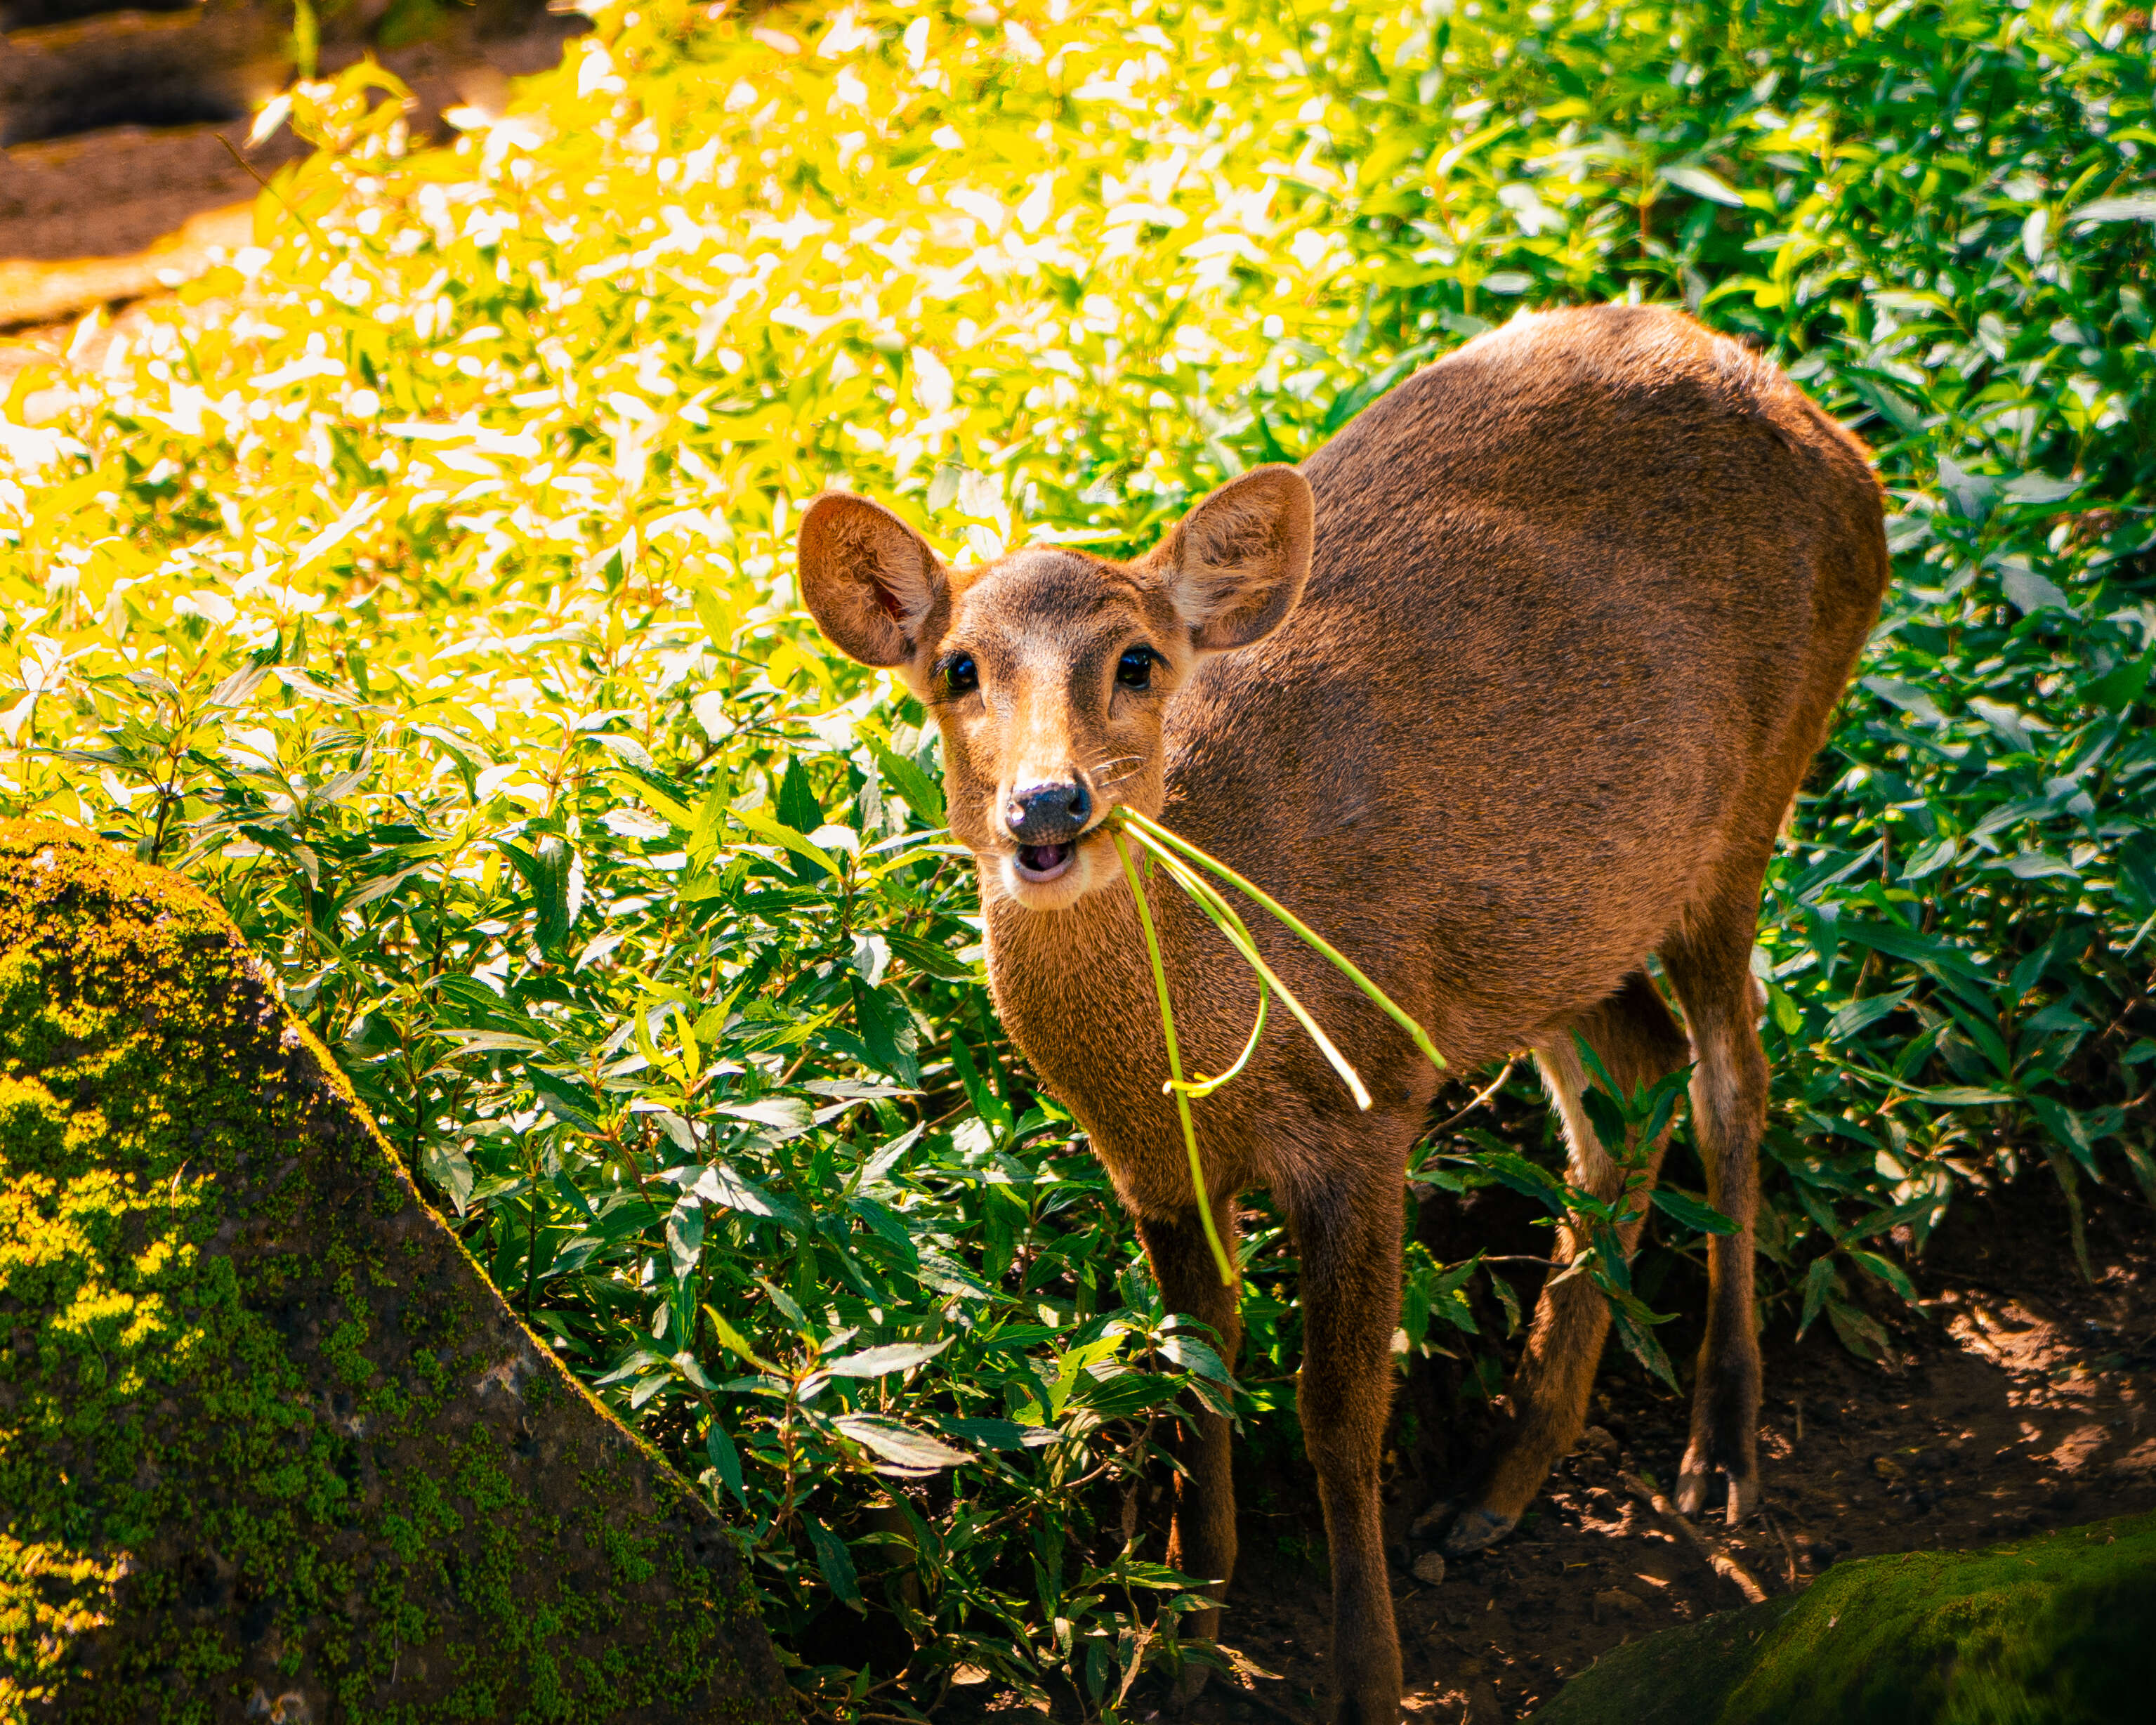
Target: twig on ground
1788,1550
1683,1530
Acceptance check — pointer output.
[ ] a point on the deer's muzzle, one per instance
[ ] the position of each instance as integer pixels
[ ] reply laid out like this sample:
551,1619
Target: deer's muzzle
1046,819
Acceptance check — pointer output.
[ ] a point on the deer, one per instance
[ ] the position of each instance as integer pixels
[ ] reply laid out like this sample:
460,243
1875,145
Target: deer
1504,690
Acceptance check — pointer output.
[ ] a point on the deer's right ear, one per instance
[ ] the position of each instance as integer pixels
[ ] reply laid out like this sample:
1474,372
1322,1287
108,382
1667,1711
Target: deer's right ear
871,582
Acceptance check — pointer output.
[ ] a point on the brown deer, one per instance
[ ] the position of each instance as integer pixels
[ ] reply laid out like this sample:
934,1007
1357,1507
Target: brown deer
1507,688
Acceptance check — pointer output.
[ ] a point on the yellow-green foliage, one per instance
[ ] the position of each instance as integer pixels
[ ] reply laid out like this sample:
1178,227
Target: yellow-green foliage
2060,1629
263,1429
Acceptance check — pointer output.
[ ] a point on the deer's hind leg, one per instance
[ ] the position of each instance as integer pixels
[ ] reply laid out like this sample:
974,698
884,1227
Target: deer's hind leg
1711,964
1638,1042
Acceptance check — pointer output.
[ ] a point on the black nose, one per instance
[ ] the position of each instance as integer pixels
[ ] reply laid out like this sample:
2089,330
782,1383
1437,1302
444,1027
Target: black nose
1048,813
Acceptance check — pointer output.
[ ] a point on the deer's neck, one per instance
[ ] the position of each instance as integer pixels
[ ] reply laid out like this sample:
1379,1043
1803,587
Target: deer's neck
1075,990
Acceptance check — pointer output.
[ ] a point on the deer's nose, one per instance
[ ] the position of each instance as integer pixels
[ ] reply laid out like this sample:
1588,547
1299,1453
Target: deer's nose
1050,813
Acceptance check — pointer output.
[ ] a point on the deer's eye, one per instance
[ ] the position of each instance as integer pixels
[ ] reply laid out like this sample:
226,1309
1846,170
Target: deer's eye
961,676
1134,670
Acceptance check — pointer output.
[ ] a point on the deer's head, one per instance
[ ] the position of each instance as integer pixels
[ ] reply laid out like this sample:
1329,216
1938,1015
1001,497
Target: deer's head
1050,671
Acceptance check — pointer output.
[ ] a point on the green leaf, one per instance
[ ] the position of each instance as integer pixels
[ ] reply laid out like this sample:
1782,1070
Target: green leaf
891,1357
1886,1270
2133,206
786,1116
733,1338
1641,1342
1702,182
641,787
1861,1333
720,1185
1351,402
447,1166
887,1033
1194,1355
921,792
833,1559
548,870
1692,1212
788,839
684,1237
727,1459
927,956
1819,1282
2123,684
1858,1016
1001,1433
1912,701
907,1450
1526,1178
797,806
2030,593
1916,949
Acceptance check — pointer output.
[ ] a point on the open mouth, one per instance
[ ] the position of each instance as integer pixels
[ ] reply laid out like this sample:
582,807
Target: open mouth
1045,862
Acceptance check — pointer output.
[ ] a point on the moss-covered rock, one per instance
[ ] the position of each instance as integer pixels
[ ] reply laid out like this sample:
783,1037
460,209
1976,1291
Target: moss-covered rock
2059,1630
270,1446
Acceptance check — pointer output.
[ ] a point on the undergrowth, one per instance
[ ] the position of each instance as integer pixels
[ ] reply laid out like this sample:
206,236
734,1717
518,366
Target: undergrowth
422,587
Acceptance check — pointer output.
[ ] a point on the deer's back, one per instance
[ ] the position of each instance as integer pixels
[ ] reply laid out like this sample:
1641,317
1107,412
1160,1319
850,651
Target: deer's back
1582,598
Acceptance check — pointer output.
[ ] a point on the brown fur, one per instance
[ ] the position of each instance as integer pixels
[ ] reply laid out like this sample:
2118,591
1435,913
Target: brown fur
1582,597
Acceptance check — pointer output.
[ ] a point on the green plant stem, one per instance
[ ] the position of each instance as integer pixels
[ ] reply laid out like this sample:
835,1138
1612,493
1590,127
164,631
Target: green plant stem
1239,937
1206,1086
1175,1064
1347,966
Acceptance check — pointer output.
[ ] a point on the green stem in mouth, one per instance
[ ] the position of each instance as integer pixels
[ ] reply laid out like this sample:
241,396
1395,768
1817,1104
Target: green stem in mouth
1175,1063
1145,828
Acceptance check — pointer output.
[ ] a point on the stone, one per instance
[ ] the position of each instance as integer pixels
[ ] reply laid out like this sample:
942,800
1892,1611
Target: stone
1430,1568
2050,1631
270,1446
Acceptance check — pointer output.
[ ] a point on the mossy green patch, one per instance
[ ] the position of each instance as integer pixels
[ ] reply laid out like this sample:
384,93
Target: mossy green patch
2059,1630
269,1445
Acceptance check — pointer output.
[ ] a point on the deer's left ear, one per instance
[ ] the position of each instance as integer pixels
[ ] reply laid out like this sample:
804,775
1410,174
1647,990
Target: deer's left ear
1234,566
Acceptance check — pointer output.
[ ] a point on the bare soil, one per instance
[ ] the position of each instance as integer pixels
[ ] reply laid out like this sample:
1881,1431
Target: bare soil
126,211
2015,1400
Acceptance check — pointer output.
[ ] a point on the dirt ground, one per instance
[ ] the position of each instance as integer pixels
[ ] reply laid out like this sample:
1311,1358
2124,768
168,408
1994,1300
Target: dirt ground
2017,1401
127,212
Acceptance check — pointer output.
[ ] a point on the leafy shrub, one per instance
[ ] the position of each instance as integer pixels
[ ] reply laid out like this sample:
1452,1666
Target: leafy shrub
422,588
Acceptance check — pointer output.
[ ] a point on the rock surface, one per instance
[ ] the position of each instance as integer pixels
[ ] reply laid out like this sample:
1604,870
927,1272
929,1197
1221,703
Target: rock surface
2059,1630
270,1446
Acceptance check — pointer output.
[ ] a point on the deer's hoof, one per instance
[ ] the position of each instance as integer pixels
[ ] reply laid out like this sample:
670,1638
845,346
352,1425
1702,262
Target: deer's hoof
1743,1497
1474,1530
1696,1483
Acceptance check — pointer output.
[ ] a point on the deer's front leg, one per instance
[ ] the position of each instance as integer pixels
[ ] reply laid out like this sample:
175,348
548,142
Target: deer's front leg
1203,1540
1349,1238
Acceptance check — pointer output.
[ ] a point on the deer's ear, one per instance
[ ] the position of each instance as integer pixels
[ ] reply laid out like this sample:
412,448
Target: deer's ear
870,580
1234,566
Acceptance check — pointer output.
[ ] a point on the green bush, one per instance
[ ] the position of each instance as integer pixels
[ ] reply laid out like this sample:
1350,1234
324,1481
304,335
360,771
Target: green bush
423,590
